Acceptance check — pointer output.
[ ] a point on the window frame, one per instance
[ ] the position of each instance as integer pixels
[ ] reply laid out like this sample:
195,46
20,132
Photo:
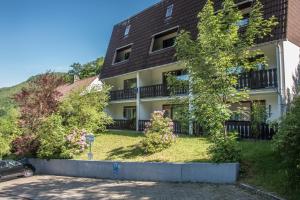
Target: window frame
129,107
127,31
116,51
126,84
162,32
169,11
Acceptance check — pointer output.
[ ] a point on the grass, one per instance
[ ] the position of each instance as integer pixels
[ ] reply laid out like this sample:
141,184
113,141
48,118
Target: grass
123,146
259,166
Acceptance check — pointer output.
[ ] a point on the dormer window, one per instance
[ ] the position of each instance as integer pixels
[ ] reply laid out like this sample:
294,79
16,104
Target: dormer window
127,29
169,11
122,54
164,40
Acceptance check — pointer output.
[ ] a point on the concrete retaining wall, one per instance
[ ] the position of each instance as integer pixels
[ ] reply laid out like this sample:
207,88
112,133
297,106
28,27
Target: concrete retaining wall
173,172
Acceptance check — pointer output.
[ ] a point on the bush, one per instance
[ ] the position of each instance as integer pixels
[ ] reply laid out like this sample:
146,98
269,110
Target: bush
286,144
224,149
25,146
76,141
85,110
159,133
4,144
53,139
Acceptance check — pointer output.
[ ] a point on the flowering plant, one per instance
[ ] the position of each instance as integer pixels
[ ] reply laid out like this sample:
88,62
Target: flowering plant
159,133
77,141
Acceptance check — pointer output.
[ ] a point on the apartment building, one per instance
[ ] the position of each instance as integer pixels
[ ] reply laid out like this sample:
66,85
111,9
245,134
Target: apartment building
141,51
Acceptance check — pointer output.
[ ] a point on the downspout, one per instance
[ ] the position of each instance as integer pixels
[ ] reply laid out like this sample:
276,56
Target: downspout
281,79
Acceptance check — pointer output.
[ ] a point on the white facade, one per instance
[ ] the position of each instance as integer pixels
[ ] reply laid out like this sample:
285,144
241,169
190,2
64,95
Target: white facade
282,56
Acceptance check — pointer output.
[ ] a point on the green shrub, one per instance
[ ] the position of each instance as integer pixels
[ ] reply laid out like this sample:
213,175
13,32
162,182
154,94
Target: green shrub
286,144
159,133
85,111
4,144
53,139
225,149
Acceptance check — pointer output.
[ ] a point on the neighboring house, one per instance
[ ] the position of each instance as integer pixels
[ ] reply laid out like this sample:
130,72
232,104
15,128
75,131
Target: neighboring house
141,51
86,84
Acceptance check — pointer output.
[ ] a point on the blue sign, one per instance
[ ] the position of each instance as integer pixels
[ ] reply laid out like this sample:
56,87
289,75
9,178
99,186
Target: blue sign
90,138
116,168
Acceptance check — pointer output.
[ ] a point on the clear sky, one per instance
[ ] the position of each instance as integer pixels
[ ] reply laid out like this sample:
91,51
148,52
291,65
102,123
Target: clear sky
41,35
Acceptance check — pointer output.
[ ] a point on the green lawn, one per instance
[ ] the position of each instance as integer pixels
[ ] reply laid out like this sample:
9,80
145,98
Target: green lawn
259,166
123,146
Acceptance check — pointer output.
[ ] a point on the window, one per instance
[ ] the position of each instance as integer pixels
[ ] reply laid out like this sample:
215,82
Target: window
181,75
129,112
122,54
169,11
173,112
130,83
164,40
245,8
127,29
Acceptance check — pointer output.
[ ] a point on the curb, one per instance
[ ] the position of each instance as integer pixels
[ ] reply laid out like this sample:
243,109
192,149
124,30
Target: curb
260,192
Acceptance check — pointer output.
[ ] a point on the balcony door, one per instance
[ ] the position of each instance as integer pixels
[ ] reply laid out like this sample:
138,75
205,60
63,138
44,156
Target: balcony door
129,112
130,83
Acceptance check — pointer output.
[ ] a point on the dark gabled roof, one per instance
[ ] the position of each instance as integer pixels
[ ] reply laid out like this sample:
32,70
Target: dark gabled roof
152,20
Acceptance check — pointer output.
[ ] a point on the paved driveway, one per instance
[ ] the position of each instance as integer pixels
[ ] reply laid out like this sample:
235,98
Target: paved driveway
54,187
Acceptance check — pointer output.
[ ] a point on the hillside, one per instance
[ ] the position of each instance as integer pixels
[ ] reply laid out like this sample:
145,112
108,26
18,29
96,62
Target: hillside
7,93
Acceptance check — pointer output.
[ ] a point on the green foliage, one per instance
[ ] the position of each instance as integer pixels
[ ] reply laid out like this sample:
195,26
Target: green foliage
225,149
259,115
215,57
85,110
52,136
8,129
4,144
159,133
89,69
287,144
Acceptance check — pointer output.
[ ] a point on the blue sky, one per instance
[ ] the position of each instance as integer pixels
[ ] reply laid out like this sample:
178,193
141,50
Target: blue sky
41,35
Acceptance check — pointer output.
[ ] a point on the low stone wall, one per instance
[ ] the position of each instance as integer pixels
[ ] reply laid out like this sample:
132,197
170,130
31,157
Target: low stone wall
170,172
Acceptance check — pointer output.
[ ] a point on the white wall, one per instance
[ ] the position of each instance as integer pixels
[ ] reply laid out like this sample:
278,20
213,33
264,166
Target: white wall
116,110
117,83
271,99
291,59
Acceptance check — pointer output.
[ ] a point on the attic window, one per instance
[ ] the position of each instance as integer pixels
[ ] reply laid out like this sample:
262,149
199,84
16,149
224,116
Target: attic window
127,29
169,11
164,40
122,54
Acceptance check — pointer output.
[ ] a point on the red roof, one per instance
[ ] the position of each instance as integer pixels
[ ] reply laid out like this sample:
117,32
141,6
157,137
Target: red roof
80,84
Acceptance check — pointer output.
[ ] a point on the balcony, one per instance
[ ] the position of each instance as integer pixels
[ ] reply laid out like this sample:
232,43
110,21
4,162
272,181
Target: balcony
161,90
242,127
123,94
261,79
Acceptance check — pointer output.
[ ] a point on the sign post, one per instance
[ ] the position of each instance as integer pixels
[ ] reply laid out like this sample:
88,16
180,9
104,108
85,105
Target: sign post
90,138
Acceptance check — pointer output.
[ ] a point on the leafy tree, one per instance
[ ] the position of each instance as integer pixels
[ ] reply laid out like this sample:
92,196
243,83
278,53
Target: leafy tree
38,100
52,137
287,144
216,57
89,69
85,110
296,80
259,115
8,129
76,69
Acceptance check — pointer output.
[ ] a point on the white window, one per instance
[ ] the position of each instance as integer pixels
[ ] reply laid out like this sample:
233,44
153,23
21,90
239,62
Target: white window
127,29
169,11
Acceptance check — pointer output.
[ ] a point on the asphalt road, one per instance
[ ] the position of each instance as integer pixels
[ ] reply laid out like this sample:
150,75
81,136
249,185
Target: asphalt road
54,187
